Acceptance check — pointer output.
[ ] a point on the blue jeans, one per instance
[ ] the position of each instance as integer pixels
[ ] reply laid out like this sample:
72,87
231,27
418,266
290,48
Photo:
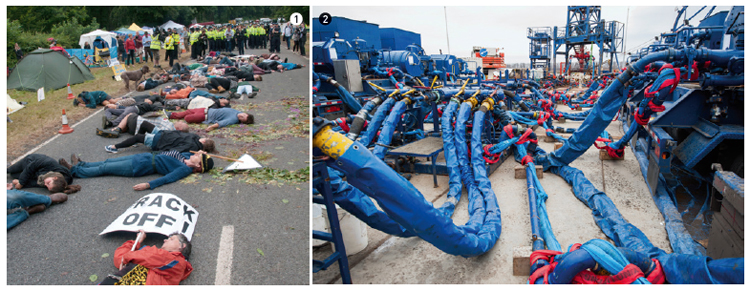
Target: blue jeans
229,45
23,199
120,166
226,61
197,92
287,38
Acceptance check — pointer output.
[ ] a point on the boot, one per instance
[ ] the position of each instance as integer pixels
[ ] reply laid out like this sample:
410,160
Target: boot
221,89
75,159
106,123
64,163
213,91
252,95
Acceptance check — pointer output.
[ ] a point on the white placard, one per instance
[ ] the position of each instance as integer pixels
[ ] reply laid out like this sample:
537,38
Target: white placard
40,94
247,163
162,213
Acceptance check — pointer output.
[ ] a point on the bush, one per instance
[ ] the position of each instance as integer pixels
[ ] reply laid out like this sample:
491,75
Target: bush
66,33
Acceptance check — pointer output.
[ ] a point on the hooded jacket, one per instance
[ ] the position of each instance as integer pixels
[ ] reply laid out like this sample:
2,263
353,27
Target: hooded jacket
164,268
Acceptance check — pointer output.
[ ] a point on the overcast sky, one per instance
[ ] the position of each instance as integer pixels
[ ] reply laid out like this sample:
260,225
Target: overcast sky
505,27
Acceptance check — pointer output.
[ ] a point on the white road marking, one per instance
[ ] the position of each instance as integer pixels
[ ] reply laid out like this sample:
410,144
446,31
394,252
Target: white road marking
224,258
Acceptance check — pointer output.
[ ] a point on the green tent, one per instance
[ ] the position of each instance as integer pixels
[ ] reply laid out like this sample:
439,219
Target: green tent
49,69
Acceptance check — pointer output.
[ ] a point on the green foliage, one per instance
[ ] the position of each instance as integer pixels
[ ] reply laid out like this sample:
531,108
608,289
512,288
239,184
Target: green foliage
69,32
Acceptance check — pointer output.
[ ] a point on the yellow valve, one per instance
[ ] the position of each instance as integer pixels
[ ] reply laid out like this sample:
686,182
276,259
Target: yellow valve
376,86
488,103
420,82
406,100
409,92
433,81
472,100
475,94
438,87
394,92
331,143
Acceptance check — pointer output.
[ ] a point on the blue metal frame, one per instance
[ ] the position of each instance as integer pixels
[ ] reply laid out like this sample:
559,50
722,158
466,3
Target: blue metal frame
584,26
320,183
540,47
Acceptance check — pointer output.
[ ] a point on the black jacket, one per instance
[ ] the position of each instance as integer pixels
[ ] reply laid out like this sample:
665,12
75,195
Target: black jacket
34,165
172,140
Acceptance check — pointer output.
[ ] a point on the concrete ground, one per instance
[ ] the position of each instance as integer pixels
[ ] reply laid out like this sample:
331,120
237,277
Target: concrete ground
248,233
389,260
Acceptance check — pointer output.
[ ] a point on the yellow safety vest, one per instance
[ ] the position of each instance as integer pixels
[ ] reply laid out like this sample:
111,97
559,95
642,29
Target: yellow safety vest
168,44
155,43
176,39
194,37
261,30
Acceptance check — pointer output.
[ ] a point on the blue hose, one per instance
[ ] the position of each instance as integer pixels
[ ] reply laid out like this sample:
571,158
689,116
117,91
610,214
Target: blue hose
386,133
377,120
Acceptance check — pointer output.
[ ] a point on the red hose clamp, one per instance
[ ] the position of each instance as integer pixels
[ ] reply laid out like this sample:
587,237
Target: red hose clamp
508,130
487,155
342,123
527,159
524,137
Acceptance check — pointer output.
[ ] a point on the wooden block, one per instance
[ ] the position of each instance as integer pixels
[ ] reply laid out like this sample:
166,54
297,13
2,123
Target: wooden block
558,145
723,241
615,137
520,172
603,155
521,261
550,139
579,109
561,119
733,217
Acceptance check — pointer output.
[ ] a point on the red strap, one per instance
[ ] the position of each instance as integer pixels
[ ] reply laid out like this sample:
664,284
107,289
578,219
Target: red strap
657,274
575,247
615,153
527,159
549,256
640,118
315,89
495,157
601,139
628,275
542,272
342,123
525,136
508,130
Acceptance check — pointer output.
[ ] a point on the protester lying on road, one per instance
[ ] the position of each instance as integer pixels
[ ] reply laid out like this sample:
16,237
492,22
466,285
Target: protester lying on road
218,118
197,102
135,124
37,170
172,164
21,204
115,116
168,140
167,265
91,99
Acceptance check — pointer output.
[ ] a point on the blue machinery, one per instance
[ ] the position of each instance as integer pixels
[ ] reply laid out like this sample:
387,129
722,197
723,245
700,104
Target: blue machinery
584,27
695,114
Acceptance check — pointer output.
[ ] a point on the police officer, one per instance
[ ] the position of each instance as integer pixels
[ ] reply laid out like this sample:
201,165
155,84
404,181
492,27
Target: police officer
168,45
194,49
175,46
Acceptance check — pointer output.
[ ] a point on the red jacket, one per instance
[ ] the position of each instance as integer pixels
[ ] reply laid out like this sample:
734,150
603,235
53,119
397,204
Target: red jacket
164,268
129,44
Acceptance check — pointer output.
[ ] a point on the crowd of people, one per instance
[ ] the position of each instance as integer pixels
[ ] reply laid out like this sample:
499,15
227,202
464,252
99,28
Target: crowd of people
192,93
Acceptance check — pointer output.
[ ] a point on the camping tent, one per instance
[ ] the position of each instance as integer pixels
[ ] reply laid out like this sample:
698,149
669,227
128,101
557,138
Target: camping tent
135,27
124,32
13,105
171,24
107,36
49,69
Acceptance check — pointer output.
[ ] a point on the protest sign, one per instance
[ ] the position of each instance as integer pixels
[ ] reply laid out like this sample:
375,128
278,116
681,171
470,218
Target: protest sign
117,68
246,162
162,213
40,94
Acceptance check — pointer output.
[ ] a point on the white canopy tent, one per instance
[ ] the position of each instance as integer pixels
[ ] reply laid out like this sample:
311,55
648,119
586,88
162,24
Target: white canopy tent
171,24
91,36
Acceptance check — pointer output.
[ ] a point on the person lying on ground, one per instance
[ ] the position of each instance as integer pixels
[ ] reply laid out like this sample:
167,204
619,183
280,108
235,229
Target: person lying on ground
219,85
243,89
93,98
196,102
172,164
21,204
218,118
175,93
115,116
169,140
166,265
278,66
37,171
244,75
152,82
135,124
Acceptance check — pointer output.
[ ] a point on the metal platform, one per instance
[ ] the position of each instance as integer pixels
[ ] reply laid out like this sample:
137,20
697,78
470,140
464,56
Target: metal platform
428,147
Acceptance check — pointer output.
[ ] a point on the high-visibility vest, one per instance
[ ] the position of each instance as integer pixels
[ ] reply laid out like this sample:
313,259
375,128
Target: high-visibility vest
193,37
176,40
168,44
261,31
155,43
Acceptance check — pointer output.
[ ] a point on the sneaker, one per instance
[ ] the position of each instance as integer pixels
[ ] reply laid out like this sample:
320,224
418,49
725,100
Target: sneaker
106,123
110,149
107,133
252,95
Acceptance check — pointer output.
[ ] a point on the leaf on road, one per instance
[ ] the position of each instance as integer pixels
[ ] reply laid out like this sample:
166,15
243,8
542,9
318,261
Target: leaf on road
291,163
279,148
93,278
285,201
207,190
111,199
261,252
104,255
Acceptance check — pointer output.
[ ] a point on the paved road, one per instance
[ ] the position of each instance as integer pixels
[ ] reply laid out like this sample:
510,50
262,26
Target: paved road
61,245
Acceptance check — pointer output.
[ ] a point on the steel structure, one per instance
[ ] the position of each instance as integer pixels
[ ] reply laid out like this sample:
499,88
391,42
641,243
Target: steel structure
540,48
585,27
